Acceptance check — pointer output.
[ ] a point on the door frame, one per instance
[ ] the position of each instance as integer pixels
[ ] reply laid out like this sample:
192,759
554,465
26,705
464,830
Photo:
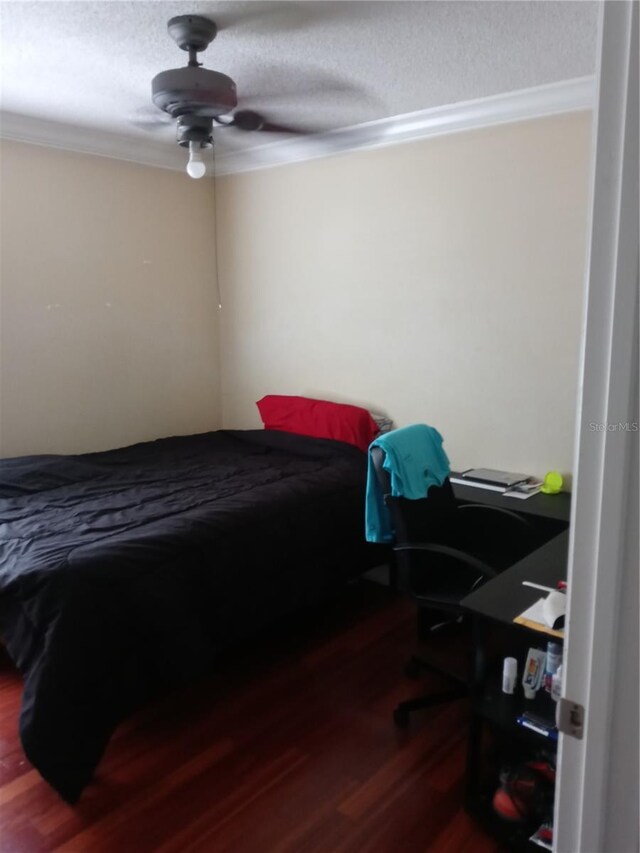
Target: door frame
603,526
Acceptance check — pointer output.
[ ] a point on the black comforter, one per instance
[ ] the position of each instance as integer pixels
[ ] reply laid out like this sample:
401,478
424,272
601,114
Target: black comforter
126,571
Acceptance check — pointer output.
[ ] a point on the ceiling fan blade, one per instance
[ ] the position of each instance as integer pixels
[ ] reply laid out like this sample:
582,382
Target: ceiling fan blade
250,121
278,128
150,125
287,15
262,17
280,83
150,119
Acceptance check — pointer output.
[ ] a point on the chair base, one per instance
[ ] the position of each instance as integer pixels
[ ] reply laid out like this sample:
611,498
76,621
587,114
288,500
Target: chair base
432,622
413,668
403,711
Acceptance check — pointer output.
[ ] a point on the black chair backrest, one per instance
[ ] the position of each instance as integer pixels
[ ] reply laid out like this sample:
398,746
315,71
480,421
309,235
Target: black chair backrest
424,520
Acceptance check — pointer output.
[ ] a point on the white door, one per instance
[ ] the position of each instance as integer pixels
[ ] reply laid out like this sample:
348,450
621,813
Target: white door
597,789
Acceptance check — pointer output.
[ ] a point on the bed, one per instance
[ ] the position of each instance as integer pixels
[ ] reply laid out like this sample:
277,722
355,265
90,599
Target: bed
131,570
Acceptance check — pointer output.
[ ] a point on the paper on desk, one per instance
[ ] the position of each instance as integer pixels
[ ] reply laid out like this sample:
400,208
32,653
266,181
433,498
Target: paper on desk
533,617
523,494
524,490
535,613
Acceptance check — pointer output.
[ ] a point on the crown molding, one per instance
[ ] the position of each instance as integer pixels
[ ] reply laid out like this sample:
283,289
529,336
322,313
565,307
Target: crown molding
537,102
566,96
88,140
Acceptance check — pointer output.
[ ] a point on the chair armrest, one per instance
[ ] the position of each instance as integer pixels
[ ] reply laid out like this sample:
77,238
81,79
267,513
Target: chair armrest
445,551
505,513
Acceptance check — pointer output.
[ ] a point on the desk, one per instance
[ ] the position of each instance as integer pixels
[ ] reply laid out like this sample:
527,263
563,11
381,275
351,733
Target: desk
555,507
549,513
503,598
496,604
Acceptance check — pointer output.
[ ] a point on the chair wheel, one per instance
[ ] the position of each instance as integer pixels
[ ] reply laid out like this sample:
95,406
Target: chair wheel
412,669
401,718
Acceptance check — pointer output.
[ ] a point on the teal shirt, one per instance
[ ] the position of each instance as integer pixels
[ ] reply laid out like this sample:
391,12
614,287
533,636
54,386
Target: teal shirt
415,460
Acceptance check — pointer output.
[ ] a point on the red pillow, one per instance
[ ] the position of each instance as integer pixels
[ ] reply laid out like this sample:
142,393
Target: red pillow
318,418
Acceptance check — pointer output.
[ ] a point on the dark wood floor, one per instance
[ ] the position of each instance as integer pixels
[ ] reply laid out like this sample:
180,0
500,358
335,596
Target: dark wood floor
289,747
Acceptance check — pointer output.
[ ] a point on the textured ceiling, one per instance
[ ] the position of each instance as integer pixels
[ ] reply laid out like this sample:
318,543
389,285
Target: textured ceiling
316,65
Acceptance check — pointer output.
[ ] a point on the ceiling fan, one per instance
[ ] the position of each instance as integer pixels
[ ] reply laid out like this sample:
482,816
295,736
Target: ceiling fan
197,97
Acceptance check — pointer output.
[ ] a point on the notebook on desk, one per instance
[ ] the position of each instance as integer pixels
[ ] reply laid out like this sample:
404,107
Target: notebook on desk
490,477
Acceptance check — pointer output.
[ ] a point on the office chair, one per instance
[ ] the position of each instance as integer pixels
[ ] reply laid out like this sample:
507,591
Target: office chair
443,551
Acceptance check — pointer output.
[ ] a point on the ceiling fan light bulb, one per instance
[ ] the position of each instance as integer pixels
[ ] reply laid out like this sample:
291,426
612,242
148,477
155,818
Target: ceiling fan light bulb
196,170
196,167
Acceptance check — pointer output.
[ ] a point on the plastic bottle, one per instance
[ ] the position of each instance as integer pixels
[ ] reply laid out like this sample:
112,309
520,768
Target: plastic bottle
509,675
554,660
556,684
533,672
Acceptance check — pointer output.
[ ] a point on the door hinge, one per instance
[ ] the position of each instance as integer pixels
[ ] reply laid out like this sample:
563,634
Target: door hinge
570,718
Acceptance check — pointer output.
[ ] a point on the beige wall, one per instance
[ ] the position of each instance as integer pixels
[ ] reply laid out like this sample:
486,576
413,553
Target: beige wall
108,301
439,281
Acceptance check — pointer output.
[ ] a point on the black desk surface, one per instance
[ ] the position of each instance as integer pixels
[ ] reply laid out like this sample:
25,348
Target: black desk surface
503,598
546,506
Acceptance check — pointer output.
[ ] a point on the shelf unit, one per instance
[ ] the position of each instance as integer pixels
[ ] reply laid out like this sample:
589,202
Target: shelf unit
503,710
496,738
513,836
496,741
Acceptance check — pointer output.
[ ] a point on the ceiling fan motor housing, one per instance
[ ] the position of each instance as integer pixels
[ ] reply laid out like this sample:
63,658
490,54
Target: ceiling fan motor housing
194,129
194,90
